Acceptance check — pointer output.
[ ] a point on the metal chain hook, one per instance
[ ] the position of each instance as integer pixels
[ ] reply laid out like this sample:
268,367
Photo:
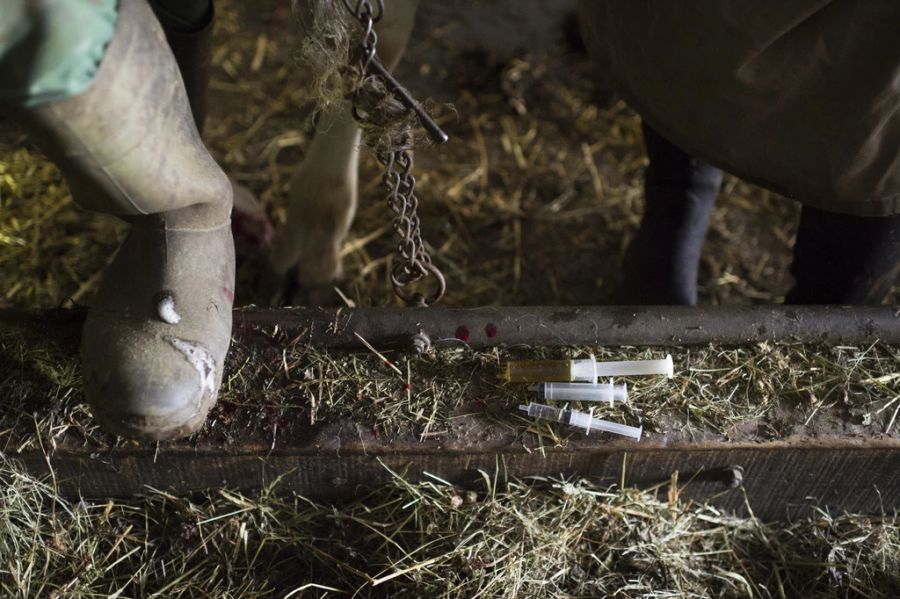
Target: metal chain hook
414,262
364,8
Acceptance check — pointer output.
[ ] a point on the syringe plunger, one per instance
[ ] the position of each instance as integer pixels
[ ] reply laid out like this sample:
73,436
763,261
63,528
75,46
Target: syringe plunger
637,367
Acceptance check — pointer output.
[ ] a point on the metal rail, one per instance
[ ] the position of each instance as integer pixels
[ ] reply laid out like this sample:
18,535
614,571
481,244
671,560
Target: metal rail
420,328
559,326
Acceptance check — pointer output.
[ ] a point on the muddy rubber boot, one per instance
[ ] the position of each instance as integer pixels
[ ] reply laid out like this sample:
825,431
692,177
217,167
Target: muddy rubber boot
844,259
155,339
193,53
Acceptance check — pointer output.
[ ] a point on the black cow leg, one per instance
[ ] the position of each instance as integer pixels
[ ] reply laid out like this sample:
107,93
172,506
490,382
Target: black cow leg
842,259
662,261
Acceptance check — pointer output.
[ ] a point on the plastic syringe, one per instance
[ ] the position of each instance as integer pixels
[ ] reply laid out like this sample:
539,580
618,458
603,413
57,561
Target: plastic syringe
608,392
581,420
589,369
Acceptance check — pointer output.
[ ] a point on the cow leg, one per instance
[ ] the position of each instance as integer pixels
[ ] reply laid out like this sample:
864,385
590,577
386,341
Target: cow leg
662,261
321,205
843,259
322,197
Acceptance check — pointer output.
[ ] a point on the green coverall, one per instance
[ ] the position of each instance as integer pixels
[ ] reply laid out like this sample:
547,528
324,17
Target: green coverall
50,49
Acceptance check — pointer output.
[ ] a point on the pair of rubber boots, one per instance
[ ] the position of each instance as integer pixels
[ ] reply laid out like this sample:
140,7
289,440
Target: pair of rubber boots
156,336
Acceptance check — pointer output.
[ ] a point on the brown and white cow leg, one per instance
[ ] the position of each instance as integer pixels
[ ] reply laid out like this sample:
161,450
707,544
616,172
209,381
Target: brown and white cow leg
321,205
306,253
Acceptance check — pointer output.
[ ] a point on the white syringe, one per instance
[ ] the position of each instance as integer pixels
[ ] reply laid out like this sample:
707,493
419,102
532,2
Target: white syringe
587,370
581,420
608,392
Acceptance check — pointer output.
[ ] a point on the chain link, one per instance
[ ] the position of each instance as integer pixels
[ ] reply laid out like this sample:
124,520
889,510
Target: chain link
414,262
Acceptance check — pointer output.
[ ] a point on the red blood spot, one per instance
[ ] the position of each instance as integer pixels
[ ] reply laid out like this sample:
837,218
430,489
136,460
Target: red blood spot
490,329
462,333
228,293
407,386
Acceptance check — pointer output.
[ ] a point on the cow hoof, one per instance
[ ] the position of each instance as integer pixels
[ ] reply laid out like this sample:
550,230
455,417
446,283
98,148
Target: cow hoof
277,289
316,296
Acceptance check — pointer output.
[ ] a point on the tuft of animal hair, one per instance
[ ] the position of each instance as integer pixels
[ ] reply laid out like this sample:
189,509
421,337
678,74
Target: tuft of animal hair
327,32
330,38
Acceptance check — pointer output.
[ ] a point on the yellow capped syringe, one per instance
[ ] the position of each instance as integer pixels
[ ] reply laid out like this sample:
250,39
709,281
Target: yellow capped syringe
586,370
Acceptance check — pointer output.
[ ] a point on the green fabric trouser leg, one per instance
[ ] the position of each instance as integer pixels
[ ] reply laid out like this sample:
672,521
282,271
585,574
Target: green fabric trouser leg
50,49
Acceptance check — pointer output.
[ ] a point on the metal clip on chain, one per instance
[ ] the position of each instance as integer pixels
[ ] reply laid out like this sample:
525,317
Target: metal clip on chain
415,262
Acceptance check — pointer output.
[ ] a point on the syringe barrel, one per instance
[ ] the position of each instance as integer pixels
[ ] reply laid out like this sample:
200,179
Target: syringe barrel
636,367
537,371
536,410
583,392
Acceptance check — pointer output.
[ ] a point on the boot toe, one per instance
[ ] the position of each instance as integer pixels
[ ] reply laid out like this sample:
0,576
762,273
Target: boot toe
161,388
156,336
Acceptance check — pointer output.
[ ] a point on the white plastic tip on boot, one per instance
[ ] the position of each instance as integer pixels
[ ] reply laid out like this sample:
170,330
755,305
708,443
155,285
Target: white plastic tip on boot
166,309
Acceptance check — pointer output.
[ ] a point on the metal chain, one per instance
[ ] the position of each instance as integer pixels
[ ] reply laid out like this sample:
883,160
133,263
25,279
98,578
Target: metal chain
414,263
